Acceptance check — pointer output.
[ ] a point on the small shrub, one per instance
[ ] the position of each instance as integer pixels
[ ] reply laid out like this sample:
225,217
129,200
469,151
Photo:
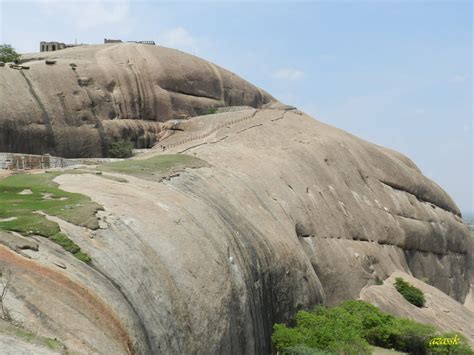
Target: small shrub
410,293
369,315
211,110
121,149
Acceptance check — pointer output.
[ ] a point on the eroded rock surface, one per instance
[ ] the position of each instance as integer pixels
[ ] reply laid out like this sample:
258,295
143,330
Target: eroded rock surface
288,213
97,94
284,212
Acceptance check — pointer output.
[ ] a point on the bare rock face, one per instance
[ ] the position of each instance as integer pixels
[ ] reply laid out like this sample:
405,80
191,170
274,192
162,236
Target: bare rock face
75,102
288,213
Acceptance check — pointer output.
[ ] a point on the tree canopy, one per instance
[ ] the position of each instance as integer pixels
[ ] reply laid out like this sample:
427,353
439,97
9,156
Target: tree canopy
8,53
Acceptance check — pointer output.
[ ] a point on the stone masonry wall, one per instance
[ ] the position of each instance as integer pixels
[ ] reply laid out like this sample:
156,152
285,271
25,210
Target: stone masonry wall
12,161
16,161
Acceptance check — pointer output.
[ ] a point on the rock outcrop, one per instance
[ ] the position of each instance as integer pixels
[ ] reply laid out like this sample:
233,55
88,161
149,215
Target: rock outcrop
285,212
288,213
440,310
93,95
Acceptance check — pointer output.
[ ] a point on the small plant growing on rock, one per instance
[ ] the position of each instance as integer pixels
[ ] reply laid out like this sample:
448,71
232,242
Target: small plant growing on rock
410,293
121,149
5,279
211,110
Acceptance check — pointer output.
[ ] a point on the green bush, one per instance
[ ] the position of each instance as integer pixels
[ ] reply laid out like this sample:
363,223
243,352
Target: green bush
449,343
351,327
410,293
334,330
304,350
211,110
401,334
121,149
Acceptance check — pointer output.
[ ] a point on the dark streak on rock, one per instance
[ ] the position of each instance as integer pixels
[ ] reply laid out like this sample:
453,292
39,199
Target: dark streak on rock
44,115
98,122
127,300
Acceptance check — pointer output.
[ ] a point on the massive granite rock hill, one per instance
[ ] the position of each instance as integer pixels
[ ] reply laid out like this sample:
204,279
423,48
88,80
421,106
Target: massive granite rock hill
90,96
286,212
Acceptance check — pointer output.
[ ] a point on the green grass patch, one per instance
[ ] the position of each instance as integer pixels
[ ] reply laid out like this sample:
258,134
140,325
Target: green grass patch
211,111
23,195
355,326
410,293
36,339
156,167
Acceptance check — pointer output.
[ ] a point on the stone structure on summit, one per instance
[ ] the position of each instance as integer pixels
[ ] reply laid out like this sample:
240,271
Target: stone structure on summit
56,46
53,46
108,41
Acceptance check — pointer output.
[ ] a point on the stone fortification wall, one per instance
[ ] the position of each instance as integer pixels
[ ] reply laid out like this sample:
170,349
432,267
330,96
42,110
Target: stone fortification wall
14,161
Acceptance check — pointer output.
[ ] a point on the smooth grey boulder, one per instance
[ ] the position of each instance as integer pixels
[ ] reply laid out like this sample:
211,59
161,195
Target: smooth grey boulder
289,213
94,95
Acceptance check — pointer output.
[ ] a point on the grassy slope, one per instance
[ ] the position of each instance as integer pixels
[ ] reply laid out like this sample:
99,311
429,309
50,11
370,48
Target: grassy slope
46,197
74,208
156,167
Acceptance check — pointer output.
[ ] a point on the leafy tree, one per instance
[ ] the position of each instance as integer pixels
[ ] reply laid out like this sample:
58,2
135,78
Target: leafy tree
8,54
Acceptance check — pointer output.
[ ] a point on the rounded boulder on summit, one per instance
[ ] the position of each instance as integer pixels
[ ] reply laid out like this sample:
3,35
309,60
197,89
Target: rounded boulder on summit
96,94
